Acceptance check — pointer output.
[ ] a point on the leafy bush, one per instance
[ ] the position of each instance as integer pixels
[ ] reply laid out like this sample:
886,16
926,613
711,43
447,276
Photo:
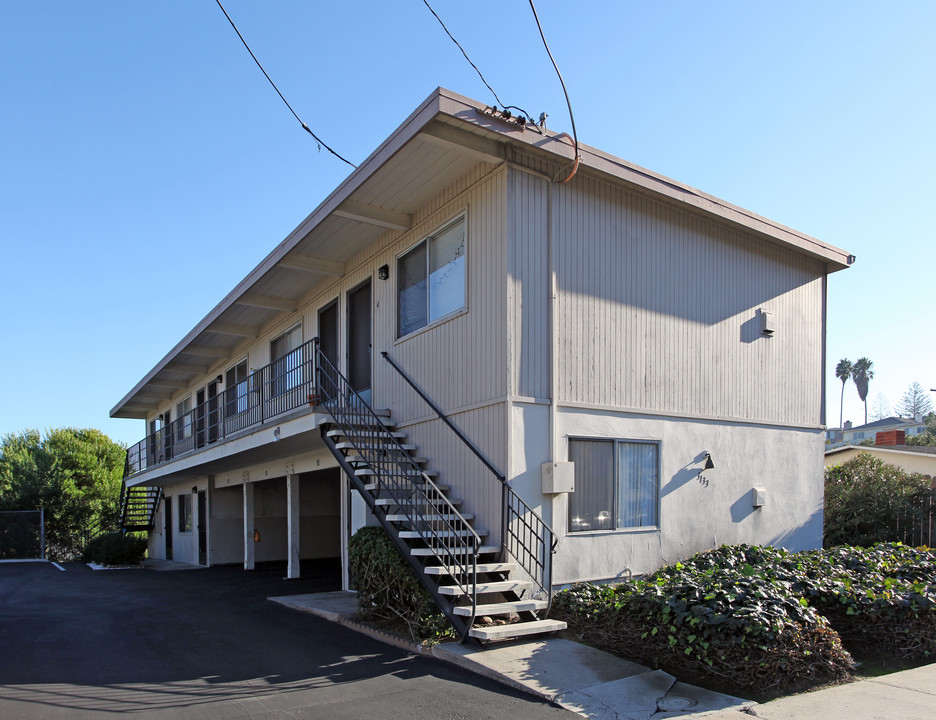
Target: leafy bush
116,549
881,600
718,615
868,501
389,590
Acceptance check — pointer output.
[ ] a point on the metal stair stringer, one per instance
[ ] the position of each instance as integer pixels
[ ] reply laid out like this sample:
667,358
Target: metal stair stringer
461,623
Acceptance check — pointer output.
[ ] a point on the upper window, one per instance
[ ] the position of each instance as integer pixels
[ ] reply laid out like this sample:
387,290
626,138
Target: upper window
184,418
431,278
617,484
235,381
285,368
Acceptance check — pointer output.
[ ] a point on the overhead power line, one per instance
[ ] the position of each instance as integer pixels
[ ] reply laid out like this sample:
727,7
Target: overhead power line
561,82
486,84
305,127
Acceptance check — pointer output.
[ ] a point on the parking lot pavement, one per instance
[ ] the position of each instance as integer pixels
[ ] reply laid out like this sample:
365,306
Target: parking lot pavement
207,644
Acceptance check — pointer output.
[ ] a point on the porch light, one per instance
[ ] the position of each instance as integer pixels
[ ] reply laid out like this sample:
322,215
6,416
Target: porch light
276,434
709,465
383,272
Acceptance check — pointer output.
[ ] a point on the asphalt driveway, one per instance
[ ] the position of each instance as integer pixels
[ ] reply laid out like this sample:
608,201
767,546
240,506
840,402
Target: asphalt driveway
208,644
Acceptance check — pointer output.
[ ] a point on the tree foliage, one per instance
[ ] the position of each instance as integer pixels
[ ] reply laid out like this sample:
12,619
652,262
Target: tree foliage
862,373
925,438
915,402
881,408
73,474
843,372
868,501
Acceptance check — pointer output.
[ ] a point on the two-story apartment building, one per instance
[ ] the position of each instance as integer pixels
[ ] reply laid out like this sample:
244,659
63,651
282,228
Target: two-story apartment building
641,362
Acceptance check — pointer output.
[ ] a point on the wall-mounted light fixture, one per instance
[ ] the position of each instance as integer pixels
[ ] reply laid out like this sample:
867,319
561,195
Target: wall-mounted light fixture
256,535
219,379
276,435
708,464
383,272
194,489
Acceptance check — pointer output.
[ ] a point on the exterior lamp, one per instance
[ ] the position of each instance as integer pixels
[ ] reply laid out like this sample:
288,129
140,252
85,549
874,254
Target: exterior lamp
383,272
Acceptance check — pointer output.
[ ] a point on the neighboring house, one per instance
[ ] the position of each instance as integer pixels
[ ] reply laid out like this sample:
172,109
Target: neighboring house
602,341
912,458
853,435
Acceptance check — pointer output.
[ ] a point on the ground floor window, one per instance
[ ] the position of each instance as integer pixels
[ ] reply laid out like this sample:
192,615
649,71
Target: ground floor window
185,512
617,484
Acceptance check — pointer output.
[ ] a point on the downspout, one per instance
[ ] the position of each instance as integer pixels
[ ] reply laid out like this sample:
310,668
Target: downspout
553,352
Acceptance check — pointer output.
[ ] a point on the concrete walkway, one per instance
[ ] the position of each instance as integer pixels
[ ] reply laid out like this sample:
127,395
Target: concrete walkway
600,686
576,677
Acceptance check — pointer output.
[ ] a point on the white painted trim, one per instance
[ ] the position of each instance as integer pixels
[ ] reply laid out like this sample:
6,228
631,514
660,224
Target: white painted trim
621,410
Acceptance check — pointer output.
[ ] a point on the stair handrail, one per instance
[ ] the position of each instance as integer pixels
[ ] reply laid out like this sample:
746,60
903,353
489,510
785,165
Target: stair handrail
513,507
464,575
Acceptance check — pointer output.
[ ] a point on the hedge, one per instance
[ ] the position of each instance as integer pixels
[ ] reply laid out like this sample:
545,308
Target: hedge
388,588
712,617
116,548
762,620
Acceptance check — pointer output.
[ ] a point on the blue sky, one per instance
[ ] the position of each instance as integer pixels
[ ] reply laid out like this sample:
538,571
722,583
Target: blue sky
147,165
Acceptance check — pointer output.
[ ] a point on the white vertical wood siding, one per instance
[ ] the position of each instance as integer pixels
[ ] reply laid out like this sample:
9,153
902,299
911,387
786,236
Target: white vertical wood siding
528,285
657,311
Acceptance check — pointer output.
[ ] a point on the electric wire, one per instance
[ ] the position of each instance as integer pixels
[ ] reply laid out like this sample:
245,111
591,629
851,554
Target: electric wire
486,84
321,143
566,92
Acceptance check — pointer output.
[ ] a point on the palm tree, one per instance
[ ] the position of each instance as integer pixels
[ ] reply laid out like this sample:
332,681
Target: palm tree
843,372
862,374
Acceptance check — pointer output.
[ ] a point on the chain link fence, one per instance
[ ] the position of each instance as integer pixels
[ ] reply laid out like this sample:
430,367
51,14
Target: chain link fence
22,535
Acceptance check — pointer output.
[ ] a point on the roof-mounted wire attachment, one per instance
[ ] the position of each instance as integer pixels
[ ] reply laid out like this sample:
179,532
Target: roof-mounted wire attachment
574,138
507,108
520,121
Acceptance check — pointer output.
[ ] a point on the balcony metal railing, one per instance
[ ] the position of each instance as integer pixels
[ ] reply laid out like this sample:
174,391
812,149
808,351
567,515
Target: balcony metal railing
283,385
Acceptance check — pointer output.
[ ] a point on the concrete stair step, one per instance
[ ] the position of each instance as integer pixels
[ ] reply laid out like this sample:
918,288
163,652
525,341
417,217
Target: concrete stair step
490,587
397,517
401,472
416,491
391,454
427,552
439,534
504,608
350,446
383,436
496,567
521,629
397,502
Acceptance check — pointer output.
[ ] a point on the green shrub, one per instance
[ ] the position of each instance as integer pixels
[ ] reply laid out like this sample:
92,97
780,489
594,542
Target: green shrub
881,600
719,616
868,501
389,590
116,549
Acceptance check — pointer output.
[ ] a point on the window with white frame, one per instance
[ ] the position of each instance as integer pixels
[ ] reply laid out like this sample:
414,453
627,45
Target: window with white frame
431,278
286,371
185,513
235,382
184,418
617,484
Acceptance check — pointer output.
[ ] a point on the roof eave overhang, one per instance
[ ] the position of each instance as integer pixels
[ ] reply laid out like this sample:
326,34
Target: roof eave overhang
454,109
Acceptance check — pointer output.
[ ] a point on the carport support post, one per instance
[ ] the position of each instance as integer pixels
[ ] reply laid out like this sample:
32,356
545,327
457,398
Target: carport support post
292,523
248,525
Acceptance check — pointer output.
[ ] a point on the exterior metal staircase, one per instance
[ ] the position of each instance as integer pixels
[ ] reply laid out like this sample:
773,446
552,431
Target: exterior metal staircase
138,504
488,592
